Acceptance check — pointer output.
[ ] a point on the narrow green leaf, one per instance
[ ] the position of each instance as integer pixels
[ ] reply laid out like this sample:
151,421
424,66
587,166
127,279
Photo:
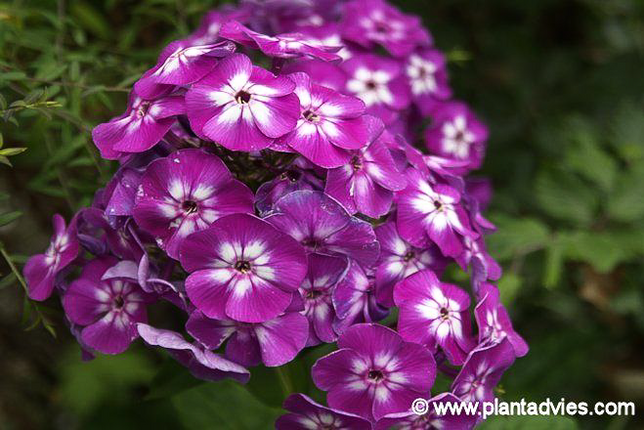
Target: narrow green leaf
9,152
8,280
9,217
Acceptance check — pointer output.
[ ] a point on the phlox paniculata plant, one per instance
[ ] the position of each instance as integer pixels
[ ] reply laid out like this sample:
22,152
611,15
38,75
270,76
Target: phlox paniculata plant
290,174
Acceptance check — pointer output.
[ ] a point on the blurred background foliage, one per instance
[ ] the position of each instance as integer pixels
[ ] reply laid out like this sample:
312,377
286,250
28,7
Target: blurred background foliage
560,83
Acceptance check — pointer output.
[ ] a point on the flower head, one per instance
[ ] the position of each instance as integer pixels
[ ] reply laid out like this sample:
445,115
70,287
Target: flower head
108,309
433,211
41,270
427,76
368,22
241,106
323,226
142,126
431,420
317,293
274,342
330,124
379,83
375,372
482,372
305,414
242,268
181,63
399,260
434,314
186,192
202,363
457,134
287,45
367,182
494,322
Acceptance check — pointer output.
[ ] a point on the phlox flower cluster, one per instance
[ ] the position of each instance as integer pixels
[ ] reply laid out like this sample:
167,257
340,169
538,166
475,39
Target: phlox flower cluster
295,173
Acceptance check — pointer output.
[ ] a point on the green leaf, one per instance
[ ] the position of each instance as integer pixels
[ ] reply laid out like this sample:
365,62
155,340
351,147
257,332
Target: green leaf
516,236
224,405
528,422
564,196
602,250
267,385
628,133
9,217
554,264
626,202
509,285
5,160
8,280
585,157
171,379
9,152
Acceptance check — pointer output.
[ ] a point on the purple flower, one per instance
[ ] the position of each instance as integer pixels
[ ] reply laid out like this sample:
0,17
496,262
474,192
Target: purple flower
181,63
142,126
287,45
330,124
399,259
433,211
208,31
41,269
323,226
374,373
242,268
241,106
476,256
431,420
367,22
457,134
494,322
427,76
293,179
274,342
379,82
121,192
482,372
354,299
202,363
108,309
434,314
366,183
317,290
186,192
328,75
305,414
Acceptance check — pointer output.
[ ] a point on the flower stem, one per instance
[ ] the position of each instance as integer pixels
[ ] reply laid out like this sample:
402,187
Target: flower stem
285,380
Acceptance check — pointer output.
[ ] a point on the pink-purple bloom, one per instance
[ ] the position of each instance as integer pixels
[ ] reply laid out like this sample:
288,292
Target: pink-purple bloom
399,260
456,133
305,414
380,83
263,213
142,126
374,372
367,182
482,371
369,22
241,106
186,192
181,63
434,314
329,126
274,342
433,212
323,226
41,270
242,268
287,45
202,363
107,309
494,322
